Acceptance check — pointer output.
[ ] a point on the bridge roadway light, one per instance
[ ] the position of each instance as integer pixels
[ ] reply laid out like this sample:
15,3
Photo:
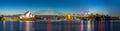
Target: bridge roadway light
68,16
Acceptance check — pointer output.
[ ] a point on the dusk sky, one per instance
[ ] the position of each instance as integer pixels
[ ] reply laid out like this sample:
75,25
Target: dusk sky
111,7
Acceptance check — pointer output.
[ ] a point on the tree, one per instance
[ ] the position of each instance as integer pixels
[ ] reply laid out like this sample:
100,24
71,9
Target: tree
3,17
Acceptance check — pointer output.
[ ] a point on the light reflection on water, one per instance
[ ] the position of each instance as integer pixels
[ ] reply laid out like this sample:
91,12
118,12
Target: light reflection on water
60,26
88,26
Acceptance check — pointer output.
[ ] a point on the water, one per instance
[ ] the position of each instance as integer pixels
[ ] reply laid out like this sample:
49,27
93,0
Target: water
113,25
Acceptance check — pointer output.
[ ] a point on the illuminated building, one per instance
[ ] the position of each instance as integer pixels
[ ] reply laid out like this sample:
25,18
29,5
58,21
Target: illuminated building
27,15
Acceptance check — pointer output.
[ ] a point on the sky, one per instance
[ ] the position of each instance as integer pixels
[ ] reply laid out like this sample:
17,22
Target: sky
111,7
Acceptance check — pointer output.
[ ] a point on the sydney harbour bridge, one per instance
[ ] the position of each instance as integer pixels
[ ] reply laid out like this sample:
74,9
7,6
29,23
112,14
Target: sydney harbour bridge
50,14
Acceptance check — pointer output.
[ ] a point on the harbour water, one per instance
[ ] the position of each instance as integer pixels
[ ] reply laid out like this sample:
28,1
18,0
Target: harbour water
82,25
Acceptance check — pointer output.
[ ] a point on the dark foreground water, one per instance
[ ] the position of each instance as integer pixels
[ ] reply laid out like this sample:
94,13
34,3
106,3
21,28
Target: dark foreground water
61,26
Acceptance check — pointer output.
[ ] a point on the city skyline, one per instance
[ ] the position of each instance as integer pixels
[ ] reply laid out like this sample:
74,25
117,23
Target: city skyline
110,7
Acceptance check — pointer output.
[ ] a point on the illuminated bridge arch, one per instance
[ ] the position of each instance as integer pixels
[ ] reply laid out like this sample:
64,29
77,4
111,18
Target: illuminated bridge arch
48,12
